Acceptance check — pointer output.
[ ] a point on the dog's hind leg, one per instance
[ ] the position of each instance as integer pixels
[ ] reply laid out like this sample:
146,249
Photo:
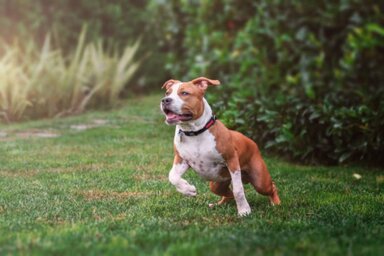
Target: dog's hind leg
261,180
221,189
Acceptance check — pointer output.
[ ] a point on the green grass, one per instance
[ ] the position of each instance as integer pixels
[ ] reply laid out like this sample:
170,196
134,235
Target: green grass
104,191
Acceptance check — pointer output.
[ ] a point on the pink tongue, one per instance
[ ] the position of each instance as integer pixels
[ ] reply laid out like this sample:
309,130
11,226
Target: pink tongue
172,116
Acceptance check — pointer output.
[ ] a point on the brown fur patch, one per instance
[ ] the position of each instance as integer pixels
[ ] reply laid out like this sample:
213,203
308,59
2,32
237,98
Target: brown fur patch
233,144
177,159
169,83
193,102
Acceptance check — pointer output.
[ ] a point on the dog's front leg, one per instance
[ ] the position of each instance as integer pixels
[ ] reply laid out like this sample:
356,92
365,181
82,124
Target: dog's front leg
243,208
175,177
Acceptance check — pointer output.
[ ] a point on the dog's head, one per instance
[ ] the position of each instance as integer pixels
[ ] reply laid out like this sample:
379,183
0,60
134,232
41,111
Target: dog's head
183,101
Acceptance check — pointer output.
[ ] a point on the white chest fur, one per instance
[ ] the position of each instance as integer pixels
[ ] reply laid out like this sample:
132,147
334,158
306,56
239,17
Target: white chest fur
200,154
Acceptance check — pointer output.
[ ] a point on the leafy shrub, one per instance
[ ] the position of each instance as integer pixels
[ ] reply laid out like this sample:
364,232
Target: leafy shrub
303,78
38,83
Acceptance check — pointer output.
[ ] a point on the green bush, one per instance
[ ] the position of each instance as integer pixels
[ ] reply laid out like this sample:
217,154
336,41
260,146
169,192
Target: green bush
303,78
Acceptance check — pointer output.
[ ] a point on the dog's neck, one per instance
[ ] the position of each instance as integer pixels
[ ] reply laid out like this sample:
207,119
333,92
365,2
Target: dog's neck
200,122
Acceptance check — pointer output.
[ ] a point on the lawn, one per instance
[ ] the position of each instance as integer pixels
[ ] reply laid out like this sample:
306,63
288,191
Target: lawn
96,184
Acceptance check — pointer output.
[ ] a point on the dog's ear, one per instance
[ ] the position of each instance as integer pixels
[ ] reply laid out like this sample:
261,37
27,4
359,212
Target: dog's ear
204,82
169,83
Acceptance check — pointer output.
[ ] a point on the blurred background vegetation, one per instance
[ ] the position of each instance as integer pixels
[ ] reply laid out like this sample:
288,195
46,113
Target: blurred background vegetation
303,78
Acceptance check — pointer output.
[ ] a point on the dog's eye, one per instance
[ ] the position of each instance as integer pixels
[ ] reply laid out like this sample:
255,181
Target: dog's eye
185,93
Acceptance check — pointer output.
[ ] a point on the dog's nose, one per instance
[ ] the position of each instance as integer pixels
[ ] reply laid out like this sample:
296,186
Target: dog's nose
166,101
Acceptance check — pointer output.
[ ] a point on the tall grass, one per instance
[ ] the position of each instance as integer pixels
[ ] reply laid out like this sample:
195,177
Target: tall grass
40,83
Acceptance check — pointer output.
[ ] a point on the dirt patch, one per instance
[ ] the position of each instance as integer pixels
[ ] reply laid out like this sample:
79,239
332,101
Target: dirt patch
4,136
28,134
96,194
56,170
17,174
146,176
95,123
120,216
52,221
48,133
37,134
137,119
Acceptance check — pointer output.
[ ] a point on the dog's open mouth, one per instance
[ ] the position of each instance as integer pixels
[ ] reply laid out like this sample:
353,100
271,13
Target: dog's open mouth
172,117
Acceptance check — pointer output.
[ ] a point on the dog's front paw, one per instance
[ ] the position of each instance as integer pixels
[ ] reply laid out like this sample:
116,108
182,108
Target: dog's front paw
244,211
188,190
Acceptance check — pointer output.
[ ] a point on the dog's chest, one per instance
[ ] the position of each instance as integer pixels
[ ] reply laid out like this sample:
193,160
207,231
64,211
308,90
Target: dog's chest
201,155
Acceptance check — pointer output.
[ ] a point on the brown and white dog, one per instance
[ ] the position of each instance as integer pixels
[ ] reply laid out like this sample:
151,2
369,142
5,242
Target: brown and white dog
219,155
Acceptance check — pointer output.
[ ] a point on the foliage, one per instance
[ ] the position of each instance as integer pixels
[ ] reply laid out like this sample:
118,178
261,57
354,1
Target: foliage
302,78
119,23
104,191
38,83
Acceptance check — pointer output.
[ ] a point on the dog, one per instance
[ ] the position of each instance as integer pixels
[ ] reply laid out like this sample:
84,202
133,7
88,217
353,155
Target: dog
201,142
